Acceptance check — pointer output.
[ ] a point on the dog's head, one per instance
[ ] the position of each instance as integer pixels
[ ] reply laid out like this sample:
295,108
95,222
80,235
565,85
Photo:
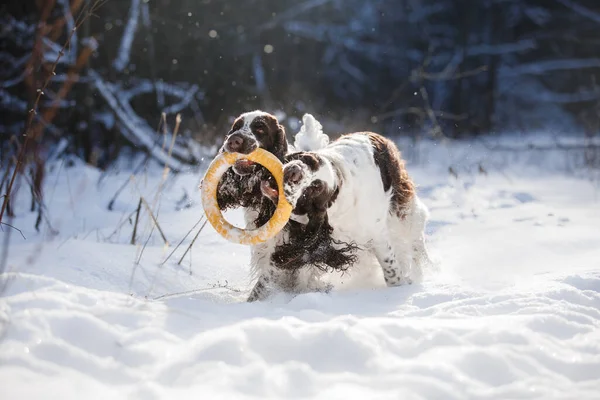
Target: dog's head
310,183
250,131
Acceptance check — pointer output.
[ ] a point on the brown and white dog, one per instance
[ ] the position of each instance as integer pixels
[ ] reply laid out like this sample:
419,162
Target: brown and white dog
353,195
241,184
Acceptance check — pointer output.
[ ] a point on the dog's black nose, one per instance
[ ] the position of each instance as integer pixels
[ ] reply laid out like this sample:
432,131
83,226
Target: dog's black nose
234,143
292,174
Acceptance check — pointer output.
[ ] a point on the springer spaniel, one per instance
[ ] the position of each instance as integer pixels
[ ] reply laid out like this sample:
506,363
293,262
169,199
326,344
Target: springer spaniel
352,195
241,184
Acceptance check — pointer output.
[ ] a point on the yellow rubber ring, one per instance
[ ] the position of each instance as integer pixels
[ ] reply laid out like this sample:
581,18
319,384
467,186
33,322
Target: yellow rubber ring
210,182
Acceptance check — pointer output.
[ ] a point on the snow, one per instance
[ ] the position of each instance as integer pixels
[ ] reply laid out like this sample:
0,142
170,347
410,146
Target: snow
511,311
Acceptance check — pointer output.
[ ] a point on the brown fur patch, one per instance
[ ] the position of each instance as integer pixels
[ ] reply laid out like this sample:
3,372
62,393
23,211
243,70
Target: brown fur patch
237,125
388,159
312,161
270,134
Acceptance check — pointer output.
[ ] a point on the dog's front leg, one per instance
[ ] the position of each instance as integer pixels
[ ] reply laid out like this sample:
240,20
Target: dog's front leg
395,264
261,289
274,280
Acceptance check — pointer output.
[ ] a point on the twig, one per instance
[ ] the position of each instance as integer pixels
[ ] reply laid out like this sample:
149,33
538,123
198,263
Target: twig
35,197
191,244
137,217
15,228
175,132
43,210
120,225
443,76
437,129
179,244
154,220
161,186
138,167
4,256
141,254
166,169
40,92
216,286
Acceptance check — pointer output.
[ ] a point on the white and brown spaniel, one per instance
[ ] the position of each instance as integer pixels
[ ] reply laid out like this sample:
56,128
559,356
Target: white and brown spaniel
351,196
241,184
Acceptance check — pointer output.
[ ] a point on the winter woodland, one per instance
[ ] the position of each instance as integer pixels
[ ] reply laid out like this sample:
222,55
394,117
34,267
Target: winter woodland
112,284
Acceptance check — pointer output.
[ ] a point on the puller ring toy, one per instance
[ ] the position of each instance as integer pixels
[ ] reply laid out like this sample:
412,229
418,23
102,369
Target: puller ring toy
211,179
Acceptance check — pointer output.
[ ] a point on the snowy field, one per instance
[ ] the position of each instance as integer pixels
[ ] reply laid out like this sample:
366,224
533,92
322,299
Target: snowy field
511,311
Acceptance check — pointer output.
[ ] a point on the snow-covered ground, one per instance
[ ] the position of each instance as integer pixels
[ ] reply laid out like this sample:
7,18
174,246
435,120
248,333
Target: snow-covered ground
512,311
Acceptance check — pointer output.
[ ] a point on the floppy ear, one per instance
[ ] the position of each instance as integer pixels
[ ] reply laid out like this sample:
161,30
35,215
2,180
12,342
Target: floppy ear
280,147
277,137
317,214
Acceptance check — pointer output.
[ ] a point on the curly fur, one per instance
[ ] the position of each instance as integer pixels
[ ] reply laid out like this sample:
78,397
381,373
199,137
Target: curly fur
244,191
318,249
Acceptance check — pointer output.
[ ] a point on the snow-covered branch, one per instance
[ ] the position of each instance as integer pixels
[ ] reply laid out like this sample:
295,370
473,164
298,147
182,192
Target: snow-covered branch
12,66
125,49
581,10
259,73
422,12
72,49
136,129
561,98
185,101
502,48
340,36
11,82
542,67
124,98
12,103
293,12
136,132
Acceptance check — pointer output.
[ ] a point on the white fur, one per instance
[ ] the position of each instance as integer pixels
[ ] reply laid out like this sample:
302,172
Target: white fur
250,116
270,278
362,213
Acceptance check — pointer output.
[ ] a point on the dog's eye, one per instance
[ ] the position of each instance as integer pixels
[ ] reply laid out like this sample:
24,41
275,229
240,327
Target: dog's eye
317,184
260,127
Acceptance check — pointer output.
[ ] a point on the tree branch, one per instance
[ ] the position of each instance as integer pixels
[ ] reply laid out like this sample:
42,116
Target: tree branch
581,10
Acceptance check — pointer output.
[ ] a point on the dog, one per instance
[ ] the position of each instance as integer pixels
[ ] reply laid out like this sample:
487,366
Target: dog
242,184
350,196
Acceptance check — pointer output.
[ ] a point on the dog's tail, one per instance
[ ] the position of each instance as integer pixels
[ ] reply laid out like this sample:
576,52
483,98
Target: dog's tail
311,136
